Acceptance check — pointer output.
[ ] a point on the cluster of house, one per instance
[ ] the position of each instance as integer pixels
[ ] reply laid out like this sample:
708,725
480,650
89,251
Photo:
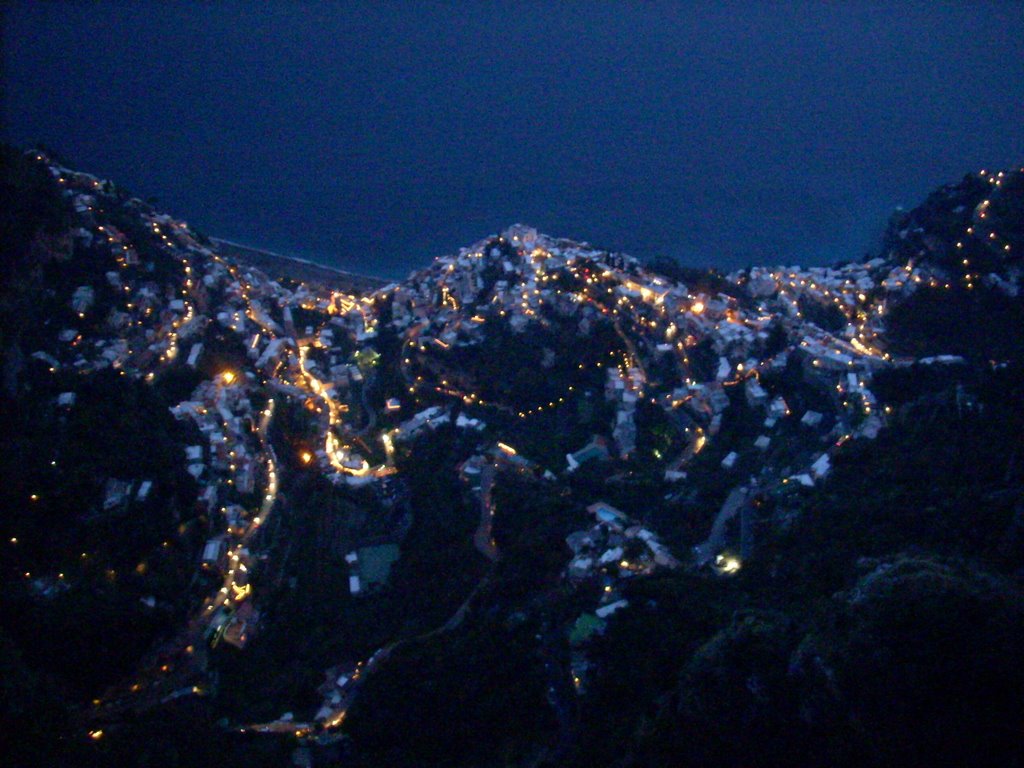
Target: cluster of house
432,418
336,688
225,467
117,494
451,300
513,279
624,388
143,319
501,456
615,544
614,548
223,413
149,321
844,285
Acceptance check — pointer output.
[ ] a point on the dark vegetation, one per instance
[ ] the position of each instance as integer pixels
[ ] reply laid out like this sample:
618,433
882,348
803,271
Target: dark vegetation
474,696
826,316
980,324
312,622
707,281
526,370
486,678
879,628
74,569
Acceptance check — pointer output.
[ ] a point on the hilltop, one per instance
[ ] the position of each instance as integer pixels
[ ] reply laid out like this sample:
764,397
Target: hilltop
577,508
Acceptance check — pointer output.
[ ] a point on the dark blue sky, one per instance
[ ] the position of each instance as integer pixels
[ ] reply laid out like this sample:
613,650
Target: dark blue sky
376,135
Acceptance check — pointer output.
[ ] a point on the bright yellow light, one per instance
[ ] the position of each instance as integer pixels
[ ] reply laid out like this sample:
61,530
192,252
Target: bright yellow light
306,457
241,592
227,377
727,564
697,308
507,449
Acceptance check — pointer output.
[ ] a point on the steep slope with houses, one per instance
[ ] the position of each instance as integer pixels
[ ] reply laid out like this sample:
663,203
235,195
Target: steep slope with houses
275,482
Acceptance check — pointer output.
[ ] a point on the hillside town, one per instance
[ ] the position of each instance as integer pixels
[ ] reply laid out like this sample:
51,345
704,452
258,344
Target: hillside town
546,358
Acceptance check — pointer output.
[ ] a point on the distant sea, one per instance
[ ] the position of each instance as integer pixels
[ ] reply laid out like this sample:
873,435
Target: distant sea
391,243
372,138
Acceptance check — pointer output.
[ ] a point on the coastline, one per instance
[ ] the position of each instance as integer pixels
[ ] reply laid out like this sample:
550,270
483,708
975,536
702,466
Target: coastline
300,268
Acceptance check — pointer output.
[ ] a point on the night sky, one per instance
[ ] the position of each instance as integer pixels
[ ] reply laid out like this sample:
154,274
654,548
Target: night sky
375,136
